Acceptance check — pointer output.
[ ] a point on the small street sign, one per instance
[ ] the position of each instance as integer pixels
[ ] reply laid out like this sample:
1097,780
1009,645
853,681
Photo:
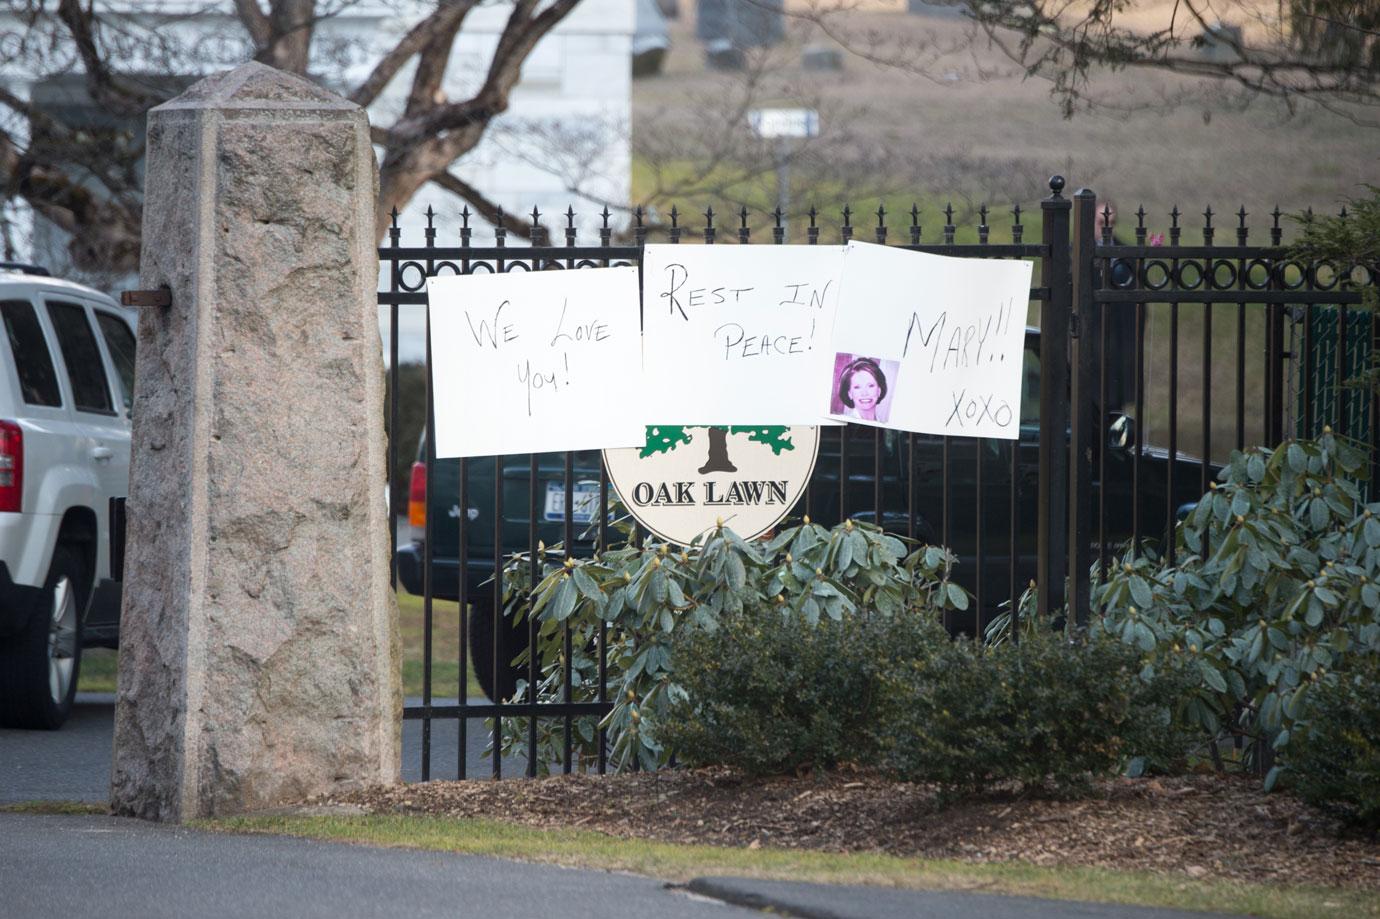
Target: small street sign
784,122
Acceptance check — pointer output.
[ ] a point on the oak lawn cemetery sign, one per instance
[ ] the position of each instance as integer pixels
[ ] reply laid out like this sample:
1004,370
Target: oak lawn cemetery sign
686,479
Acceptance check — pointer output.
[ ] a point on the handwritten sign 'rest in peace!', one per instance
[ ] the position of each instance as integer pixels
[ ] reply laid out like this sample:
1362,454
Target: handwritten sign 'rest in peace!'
533,362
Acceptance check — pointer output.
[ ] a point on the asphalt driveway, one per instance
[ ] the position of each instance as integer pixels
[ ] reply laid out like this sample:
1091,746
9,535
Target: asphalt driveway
68,867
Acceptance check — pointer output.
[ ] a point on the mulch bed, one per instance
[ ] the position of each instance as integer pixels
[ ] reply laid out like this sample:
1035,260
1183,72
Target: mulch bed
1202,826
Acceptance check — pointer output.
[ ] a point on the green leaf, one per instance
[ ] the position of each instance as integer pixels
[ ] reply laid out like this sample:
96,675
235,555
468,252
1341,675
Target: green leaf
1318,513
586,586
1298,460
1140,592
957,596
737,574
1212,677
1144,637
564,603
1255,467
1272,778
845,556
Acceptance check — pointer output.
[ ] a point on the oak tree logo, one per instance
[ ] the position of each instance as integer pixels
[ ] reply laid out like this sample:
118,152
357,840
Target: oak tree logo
664,438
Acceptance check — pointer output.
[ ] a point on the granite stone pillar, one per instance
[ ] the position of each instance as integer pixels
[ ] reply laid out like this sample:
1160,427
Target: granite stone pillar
259,654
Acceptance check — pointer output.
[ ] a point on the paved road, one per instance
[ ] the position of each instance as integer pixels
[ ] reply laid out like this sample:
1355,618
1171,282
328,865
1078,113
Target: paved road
73,764
106,867
71,867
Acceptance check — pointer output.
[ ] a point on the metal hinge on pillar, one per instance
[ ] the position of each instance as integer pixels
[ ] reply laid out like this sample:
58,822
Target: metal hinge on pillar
161,296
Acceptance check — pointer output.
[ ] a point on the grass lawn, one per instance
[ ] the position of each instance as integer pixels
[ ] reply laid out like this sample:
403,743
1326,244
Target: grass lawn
98,665
445,649
681,862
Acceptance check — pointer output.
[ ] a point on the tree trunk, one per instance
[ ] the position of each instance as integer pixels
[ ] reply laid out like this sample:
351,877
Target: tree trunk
718,460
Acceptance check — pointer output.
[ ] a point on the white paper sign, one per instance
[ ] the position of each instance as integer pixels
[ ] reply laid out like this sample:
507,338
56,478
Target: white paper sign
530,362
928,343
737,334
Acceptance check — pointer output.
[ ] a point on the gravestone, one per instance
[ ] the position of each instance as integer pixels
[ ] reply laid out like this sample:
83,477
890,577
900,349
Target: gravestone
259,657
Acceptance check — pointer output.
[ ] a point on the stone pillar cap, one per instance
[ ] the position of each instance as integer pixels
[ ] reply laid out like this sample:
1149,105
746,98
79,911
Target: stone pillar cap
255,86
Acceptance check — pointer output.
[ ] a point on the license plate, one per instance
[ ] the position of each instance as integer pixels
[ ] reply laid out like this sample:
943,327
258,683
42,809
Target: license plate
584,504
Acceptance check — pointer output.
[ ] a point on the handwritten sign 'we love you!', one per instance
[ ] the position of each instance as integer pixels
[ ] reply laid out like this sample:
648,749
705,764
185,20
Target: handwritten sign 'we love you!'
928,343
521,360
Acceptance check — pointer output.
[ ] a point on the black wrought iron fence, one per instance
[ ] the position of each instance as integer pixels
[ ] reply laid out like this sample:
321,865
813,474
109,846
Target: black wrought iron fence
1083,478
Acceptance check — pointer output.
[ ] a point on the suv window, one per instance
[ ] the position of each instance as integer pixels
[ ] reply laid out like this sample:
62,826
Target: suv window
120,343
37,378
90,391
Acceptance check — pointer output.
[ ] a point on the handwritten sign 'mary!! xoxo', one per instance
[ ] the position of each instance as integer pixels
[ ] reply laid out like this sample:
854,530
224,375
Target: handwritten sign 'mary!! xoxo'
928,343
521,360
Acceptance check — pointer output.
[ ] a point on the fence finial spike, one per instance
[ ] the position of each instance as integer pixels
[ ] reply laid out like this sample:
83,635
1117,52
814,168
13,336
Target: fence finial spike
949,213
570,215
742,216
430,215
1140,217
777,215
1342,215
982,214
709,216
813,214
881,214
394,215
1207,215
1276,214
675,215
606,215
1016,214
1241,216
914,214
847,216
465,214
536,215
1174,216
637,215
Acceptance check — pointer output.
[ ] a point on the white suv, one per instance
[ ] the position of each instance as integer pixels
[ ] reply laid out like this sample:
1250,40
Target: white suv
66,388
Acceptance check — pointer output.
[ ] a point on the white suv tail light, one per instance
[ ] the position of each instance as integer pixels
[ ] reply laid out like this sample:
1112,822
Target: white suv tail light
11,466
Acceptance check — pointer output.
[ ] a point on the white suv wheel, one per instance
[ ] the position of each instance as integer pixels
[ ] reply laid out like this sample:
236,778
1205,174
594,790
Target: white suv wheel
62,640
40,664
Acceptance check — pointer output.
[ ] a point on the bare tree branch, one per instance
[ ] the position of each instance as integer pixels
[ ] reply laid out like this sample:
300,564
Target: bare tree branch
413,42
1066,43
519,37
483,206
105,86
255,22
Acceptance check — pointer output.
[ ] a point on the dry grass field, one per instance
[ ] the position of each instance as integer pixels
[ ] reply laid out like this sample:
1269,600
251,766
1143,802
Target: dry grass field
956,117
948,118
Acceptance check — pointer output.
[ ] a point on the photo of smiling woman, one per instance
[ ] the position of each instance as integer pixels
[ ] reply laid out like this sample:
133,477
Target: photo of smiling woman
861,389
